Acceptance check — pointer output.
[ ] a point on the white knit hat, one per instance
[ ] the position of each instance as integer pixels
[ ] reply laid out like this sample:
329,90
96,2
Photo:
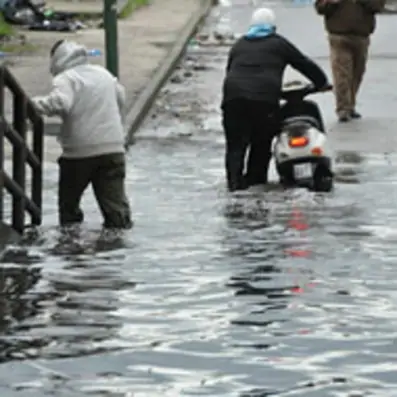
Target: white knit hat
263,16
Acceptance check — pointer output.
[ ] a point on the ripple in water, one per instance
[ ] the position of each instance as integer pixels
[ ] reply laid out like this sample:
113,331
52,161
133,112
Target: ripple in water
268,293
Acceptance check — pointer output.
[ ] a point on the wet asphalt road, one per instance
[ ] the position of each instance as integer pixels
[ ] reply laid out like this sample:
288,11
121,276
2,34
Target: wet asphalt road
269,294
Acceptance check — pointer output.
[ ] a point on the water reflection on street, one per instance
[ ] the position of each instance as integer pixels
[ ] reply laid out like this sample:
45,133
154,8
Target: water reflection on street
268,292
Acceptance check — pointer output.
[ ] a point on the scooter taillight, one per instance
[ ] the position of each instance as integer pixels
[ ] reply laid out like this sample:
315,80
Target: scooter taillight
300,141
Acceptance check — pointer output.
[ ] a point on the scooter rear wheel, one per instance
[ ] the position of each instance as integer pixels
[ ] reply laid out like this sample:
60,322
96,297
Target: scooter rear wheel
323,180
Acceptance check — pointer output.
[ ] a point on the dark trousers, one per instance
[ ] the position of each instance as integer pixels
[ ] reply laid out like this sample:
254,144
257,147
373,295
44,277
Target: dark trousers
106,173
248,125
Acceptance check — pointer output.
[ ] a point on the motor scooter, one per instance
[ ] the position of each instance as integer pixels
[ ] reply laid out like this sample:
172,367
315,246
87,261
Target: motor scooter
301,149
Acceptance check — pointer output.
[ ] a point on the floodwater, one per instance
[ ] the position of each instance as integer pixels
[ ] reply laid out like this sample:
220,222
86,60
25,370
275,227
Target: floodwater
269,293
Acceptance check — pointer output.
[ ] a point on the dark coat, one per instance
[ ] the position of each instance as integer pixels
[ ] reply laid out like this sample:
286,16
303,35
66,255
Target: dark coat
256,66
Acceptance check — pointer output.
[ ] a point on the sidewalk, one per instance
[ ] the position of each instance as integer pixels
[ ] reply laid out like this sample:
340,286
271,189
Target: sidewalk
82,6
146,39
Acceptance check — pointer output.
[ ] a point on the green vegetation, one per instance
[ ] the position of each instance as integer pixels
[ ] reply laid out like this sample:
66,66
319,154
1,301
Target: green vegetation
125,12
18,48
89,16
130,7
5,28
10,44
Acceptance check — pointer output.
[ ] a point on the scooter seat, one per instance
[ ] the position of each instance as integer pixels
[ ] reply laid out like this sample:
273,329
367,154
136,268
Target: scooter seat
302,120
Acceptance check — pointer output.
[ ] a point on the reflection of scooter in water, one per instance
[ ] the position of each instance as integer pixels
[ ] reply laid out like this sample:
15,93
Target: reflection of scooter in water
298,222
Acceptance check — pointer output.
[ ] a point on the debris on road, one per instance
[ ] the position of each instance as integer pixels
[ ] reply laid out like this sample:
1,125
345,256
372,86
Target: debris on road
187,69
213,39
35,16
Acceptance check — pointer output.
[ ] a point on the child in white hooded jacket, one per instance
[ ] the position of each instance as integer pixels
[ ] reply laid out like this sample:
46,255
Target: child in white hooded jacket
90,101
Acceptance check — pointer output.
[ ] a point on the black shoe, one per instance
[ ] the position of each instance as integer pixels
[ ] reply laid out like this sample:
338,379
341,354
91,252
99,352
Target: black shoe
355,115
234,187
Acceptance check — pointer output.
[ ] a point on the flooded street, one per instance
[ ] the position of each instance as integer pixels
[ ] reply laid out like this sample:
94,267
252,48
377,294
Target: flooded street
275,293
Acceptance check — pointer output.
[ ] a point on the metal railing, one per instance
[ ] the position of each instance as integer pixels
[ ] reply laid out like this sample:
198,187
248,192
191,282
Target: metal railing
16,132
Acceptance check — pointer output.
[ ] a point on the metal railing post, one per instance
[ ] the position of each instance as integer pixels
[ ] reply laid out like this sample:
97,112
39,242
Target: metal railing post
19,160
37,171
2,127
22,155
111,36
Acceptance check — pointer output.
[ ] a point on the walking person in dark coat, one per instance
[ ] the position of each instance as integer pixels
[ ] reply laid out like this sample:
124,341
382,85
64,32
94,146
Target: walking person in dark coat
349,24
90,102
251,95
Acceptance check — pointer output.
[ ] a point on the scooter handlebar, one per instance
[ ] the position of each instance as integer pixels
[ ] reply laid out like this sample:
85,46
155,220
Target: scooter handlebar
328,87
305,90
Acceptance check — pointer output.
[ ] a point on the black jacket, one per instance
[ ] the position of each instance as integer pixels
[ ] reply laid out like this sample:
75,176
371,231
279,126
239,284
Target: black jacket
255,69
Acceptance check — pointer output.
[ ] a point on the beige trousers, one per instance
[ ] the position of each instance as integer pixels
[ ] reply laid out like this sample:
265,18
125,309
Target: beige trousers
348,61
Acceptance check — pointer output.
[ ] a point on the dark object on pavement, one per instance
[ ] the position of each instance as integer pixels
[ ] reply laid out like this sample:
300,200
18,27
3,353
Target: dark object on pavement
56,26
36,17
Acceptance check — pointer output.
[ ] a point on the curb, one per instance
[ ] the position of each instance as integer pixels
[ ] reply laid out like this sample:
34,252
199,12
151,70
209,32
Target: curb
146,98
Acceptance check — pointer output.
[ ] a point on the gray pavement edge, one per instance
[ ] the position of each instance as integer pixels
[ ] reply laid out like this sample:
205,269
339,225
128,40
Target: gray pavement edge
137,114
